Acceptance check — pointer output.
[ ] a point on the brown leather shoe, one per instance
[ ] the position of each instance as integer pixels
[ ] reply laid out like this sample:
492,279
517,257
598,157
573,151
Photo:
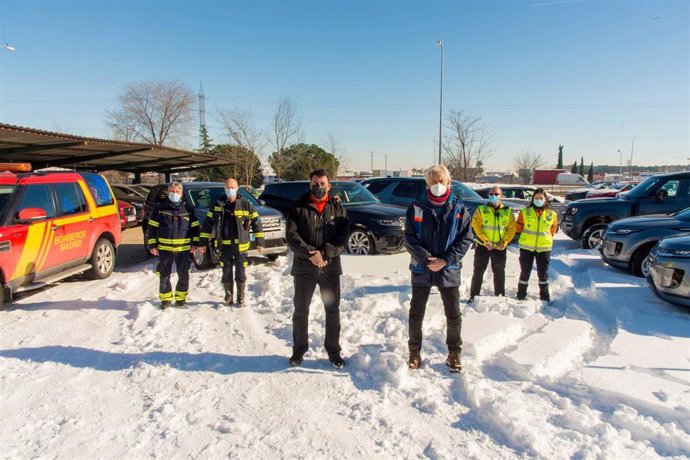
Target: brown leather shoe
415,360
453,361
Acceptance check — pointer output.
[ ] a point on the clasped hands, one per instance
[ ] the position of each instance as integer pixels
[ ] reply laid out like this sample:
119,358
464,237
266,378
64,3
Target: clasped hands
500,245
317,259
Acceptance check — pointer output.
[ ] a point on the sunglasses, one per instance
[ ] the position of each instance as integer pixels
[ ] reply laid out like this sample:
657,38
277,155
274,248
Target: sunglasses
494,194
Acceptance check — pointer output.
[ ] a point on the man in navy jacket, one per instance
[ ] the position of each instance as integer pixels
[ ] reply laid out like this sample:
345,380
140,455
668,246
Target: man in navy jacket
437,236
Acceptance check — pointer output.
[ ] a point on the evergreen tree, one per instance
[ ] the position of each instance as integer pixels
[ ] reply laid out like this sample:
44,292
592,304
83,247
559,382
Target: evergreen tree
590,174
582,167
574,168
206,142
560,157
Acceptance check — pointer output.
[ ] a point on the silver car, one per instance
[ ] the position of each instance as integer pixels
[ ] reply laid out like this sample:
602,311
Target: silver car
669,269
627,242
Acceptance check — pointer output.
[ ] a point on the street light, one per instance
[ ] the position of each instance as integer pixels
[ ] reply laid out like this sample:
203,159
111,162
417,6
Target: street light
439,42
620,165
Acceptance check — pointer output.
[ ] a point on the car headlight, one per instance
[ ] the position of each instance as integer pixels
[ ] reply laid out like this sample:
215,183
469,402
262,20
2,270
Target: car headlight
573,211
673,252
394,222
621,231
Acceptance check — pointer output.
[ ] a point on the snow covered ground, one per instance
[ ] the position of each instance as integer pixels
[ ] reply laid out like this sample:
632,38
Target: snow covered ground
93,369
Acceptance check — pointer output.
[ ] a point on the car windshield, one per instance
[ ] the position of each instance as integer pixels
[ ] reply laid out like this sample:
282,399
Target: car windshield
5,197
464,192
643,187
202,197
352,193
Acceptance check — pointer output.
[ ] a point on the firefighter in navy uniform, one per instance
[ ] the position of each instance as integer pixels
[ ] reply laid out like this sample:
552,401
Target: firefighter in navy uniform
231,220
172,233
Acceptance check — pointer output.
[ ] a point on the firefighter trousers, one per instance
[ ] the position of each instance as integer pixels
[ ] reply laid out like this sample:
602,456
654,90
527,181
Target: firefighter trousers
233,261
182,261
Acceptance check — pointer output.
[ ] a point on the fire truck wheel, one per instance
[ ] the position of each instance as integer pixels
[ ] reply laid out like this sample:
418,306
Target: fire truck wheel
102,260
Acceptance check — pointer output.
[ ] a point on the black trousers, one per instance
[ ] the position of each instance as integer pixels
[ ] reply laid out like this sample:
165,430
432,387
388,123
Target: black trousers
527,259
451,305
231,261
329,285
482,256
182,261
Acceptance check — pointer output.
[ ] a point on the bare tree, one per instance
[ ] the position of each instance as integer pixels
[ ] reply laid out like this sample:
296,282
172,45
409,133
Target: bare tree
154,112
525,164
467,146
336,147
286,129
241,131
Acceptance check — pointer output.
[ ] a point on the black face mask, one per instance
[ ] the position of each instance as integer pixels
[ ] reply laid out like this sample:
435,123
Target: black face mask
318,191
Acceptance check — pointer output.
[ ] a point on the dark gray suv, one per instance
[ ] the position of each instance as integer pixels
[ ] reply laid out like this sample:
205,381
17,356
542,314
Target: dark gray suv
627,242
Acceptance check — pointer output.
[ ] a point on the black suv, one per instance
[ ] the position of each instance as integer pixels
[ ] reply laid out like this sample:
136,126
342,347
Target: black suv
586,220
201,195
374,227
402,191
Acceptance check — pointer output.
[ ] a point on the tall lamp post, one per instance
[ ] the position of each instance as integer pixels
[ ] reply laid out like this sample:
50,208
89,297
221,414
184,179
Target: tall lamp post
439,42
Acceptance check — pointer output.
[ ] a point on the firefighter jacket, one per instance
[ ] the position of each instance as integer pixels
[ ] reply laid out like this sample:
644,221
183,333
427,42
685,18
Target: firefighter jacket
172,227
245,217
537,228
308,230
493,224
443,232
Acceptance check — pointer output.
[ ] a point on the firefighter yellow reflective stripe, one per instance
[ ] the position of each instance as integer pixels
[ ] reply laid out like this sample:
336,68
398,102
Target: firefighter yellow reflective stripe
209,214
162,247
174,240
244,247
255,215
259,235
217,208
204,235
195,239
165,296
195,223
153,223
180,295
151,241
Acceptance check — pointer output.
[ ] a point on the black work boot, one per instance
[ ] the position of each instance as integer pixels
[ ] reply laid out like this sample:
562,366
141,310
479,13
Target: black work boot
415,359
544,292
522,291
240,293
229,294
453,361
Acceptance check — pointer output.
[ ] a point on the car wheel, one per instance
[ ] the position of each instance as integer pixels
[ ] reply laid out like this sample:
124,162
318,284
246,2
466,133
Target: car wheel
209,259
360,243
640,262
102,260
591,238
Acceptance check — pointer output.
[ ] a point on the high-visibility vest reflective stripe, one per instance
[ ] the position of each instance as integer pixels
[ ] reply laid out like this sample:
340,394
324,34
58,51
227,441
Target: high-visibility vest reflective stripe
536,234
494,225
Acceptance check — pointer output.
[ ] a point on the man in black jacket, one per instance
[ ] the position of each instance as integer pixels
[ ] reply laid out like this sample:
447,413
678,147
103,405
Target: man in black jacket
229,220
316,232
437,236
172,233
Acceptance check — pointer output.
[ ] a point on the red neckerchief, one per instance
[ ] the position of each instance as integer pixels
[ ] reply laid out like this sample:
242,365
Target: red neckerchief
320,204
438,200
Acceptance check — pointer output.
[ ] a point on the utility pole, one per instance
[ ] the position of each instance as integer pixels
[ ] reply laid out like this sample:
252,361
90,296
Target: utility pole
372,162
385,156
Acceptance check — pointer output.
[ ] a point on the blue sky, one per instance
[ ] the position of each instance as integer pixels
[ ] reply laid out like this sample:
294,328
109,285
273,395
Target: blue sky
591,75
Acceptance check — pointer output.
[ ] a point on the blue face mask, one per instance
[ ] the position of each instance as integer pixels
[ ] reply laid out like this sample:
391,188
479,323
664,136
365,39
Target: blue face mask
538,203
174,197
230,192
494,199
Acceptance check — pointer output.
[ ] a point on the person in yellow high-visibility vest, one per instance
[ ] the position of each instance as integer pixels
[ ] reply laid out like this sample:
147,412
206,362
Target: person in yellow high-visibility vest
536,224
494,229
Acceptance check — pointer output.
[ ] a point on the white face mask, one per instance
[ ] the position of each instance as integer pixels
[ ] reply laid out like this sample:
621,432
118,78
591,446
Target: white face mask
438,189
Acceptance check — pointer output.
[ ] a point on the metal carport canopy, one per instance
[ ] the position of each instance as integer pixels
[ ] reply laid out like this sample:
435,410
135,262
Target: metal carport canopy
45,149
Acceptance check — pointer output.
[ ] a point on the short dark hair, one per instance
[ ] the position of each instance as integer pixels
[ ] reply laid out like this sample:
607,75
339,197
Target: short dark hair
318,173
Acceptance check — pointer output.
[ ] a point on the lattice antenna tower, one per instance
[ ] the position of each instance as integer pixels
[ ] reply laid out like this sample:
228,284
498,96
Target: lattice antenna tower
203,130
